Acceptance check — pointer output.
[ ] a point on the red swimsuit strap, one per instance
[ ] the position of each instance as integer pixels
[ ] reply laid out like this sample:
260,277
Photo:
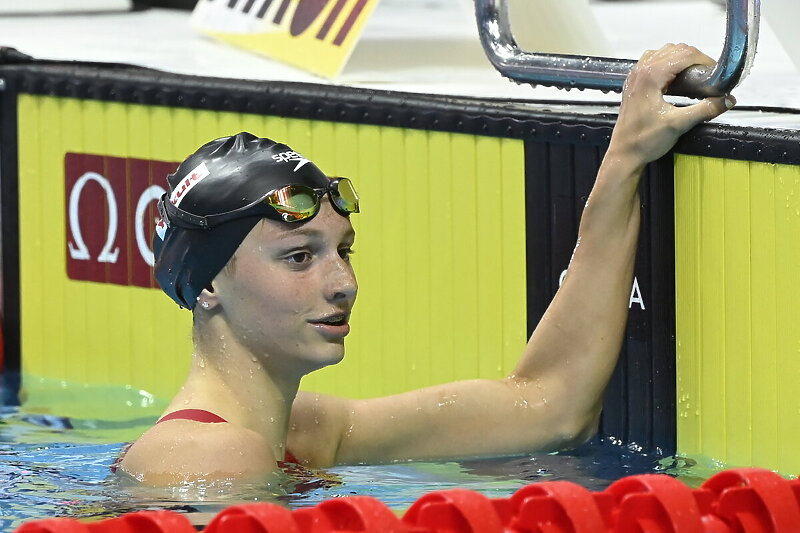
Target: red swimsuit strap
289,458
198,415
207,417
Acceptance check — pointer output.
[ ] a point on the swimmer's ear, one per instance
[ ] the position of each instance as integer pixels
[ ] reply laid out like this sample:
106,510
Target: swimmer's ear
208,298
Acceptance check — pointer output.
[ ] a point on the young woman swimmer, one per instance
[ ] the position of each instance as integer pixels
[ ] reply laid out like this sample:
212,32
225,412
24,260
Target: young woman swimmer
256,240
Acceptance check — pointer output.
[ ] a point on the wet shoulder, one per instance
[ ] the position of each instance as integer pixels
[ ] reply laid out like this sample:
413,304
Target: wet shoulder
180,451
317,425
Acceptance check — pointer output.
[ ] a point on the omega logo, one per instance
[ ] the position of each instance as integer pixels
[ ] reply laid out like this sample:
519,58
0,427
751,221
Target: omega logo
79,250
151,194
111,212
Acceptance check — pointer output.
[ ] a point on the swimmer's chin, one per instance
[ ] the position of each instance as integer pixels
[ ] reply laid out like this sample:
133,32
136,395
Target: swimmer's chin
320,361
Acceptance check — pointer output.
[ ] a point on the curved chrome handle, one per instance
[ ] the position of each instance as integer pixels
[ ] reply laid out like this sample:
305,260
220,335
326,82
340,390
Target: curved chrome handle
608,74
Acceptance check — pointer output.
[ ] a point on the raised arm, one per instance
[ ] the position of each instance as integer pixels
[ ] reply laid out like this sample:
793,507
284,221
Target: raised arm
553,398
577,342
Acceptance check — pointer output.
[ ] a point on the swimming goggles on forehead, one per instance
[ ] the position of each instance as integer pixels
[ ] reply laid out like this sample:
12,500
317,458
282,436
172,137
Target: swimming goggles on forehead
290,203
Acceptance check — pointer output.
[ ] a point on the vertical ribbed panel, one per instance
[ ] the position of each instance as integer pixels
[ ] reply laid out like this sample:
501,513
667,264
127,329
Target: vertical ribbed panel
439,257
77,331
737,308
639,403
439,254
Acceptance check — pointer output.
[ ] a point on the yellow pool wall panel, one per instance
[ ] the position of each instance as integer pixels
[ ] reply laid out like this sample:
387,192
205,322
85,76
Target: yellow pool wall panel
737,271
442,287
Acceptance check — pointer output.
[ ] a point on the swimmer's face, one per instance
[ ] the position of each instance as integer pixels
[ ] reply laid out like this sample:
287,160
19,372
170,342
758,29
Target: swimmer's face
289,294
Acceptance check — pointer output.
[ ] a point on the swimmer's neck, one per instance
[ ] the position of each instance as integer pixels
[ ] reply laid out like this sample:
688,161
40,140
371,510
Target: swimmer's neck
230,381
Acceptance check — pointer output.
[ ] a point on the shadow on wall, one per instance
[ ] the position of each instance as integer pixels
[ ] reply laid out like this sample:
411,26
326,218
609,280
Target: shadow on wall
170,4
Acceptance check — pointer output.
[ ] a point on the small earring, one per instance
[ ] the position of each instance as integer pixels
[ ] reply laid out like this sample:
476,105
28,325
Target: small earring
206,305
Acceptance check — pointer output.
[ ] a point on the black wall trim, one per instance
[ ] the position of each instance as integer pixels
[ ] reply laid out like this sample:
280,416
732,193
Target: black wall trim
514,119
744,144
9,222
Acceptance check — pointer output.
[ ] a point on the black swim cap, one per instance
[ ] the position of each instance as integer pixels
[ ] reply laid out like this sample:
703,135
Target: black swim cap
223,175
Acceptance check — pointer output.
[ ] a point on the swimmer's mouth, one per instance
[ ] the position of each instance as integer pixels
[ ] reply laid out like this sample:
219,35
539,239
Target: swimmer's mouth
339,319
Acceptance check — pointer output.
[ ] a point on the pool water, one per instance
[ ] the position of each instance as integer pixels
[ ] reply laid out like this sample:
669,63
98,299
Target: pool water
53,466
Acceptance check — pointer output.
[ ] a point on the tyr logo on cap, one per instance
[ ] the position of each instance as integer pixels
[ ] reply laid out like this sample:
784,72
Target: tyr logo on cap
193,178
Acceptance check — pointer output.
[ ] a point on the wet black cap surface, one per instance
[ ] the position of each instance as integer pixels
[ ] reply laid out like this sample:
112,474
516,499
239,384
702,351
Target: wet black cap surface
221,176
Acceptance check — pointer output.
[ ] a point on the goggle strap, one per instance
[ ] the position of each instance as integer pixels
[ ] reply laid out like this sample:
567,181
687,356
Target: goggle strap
173,215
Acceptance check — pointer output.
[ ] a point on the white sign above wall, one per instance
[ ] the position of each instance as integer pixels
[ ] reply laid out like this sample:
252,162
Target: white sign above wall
782,16
315,35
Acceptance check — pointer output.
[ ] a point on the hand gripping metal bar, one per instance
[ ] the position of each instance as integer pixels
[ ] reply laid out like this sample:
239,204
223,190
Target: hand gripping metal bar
608,74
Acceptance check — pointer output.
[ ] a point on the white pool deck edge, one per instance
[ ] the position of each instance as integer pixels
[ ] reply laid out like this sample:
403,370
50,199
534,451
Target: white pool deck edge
417,46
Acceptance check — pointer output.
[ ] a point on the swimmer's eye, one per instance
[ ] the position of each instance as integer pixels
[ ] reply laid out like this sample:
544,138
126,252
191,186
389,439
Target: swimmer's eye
298,258
346,253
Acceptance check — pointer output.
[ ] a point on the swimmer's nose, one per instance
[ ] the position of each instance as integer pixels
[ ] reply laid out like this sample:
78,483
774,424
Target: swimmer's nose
342,286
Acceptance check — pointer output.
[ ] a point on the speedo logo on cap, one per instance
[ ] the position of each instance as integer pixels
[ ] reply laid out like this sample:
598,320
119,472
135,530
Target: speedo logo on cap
193,178
291,155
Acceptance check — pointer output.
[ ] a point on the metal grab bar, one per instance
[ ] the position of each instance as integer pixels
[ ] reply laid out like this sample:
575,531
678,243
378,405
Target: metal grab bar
608,74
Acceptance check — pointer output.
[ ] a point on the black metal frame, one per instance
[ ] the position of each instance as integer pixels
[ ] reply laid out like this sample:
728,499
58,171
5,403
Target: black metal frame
608,74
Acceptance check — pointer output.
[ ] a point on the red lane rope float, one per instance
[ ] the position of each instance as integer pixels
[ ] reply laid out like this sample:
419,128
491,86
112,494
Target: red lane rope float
755,501
648,502
454,510
560,506
745,500
54,525
796,489
355,513
139,522
254,518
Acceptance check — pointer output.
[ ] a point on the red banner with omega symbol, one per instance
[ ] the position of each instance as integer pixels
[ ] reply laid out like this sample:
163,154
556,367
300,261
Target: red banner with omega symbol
111,214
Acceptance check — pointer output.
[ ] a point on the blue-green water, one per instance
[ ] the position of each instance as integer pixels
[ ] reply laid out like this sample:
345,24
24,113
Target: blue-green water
52,465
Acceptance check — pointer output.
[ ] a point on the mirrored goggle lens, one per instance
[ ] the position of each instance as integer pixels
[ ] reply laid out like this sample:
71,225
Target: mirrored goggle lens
345,196
294,202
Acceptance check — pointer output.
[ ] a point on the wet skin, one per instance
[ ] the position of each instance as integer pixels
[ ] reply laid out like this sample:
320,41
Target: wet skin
288,296
263,324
